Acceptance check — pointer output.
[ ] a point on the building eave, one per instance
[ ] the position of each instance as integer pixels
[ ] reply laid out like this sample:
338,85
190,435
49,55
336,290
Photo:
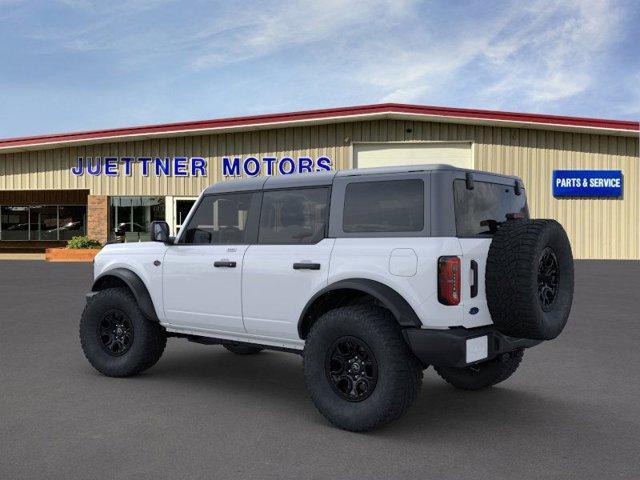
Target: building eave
325,116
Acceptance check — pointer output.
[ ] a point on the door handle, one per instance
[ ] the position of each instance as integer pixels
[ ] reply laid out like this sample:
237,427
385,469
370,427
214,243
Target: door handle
306,266
224,263
474,271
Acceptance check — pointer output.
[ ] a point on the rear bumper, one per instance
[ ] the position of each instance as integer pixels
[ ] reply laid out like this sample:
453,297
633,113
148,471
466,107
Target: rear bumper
460,347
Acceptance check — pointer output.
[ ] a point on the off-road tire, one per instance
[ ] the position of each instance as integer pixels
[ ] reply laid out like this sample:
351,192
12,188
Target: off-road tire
482,375
146,347
240,349
514,281
399,374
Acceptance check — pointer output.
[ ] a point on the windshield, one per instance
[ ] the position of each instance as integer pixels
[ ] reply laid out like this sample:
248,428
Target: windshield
481,210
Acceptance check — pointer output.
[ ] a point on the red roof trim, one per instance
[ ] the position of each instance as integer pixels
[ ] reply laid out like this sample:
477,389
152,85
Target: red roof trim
308,115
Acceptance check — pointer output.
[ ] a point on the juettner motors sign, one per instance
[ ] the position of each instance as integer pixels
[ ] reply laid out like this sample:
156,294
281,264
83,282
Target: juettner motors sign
197,166
116,166
587,183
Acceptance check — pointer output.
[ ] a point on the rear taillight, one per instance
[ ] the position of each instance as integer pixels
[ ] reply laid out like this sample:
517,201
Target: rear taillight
449,280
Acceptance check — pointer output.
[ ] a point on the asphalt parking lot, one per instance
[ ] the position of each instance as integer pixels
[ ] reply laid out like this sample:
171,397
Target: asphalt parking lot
571,411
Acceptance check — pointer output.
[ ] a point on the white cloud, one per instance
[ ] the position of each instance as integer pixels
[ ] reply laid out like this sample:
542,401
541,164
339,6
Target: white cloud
554,55
533,56
509,55
276,26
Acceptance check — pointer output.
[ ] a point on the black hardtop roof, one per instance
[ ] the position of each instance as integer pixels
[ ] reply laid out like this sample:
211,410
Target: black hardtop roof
326,178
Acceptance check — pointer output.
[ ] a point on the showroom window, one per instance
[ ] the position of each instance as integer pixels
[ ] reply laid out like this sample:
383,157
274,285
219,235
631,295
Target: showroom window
42,222
130,217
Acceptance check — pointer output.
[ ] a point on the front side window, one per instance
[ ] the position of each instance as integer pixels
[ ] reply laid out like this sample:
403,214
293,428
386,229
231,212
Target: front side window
220,220
294,216
481,210
385,206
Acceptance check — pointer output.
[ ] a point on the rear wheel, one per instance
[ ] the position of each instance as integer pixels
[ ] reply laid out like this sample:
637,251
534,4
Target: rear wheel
240,349
358,369
116,337
482,375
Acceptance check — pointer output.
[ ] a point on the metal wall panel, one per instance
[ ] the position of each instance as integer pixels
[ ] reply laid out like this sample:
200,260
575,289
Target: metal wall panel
598,228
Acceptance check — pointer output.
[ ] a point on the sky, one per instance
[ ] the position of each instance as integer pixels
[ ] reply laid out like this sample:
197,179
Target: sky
73,65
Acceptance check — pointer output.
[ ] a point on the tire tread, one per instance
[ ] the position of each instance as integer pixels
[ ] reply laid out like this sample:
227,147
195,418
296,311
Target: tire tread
146,353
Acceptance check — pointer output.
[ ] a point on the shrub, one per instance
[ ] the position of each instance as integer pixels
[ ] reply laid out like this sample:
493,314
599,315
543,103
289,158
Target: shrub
82,241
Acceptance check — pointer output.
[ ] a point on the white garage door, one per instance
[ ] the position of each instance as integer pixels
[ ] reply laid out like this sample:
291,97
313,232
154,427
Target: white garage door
367,155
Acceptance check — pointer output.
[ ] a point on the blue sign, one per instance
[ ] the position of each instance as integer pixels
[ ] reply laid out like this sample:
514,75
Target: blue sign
197,166
587,183
252,166
158,166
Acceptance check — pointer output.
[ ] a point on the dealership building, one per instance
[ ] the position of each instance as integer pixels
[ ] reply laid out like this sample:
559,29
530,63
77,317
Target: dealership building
109,184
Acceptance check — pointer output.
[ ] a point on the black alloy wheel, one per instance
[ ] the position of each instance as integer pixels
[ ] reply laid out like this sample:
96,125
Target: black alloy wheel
358,368
115,332
351,368
547,278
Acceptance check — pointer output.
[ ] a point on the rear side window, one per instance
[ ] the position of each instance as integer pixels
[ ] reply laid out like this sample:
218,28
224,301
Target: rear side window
480,210
220,220
294,216
387,206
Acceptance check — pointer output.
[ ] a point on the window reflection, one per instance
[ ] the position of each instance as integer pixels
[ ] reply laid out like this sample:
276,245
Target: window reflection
15,223
42,222
71,222
131,216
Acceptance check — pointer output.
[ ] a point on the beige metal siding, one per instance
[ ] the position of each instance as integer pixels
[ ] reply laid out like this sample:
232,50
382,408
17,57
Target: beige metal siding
598,228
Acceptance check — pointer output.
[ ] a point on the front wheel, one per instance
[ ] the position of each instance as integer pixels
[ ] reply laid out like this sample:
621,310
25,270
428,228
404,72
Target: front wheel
116,337
358,369
482,375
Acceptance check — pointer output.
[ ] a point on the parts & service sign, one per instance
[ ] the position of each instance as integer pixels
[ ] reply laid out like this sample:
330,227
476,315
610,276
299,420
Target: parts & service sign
587,183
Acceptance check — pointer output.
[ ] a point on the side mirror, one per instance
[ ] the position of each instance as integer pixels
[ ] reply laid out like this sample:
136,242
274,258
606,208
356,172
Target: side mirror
159,231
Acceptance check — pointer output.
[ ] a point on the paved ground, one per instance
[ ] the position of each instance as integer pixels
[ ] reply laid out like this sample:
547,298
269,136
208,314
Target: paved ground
571,411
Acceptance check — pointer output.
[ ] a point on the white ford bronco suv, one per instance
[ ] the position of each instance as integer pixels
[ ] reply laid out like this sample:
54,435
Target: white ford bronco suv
372,275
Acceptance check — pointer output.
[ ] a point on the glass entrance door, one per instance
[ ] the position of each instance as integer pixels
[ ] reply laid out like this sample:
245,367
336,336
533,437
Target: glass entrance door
130,217
182,208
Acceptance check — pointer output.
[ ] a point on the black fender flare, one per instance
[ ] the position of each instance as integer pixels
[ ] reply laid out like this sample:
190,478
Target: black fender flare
135,284
397,305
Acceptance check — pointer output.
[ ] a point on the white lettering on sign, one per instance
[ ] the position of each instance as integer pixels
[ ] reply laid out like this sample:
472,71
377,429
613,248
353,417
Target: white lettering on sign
605,182
570,182
591,182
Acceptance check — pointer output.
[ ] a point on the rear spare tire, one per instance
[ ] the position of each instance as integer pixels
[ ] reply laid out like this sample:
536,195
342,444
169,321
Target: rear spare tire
529,278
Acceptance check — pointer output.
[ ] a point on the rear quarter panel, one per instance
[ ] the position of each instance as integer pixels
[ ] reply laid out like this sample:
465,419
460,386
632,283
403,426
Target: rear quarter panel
370,258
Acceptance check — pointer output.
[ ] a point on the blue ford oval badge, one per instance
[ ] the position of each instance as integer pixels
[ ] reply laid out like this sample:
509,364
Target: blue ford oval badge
474,310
